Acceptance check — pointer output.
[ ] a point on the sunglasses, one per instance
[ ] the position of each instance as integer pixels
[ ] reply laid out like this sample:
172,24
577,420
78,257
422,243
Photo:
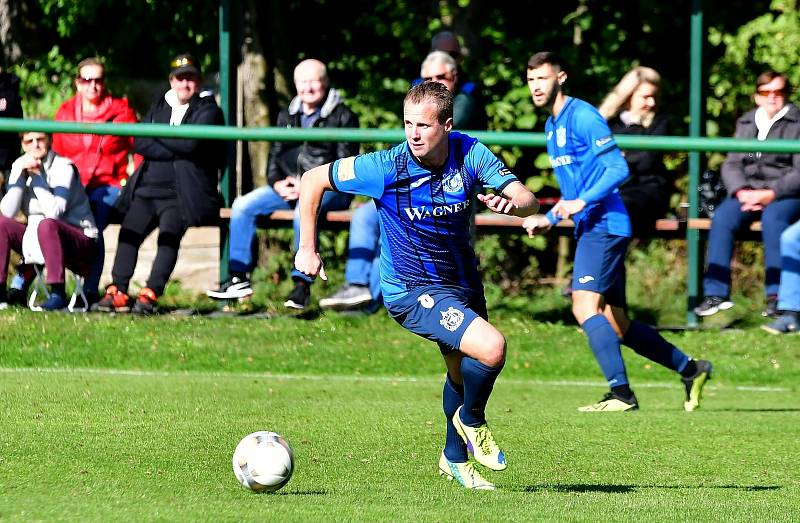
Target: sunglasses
98,80
437,77
767,92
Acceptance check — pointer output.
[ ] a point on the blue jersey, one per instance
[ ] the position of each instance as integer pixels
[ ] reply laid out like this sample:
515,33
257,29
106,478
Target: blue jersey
581,149
424,214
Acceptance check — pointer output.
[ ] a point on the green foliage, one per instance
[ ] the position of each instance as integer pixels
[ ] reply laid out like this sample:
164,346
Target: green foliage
769,41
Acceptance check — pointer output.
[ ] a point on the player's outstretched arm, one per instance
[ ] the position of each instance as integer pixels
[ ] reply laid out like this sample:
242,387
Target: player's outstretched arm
313,185
516,200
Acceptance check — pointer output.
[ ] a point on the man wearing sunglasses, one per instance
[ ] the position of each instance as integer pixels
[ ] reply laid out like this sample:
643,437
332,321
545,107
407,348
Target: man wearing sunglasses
761,186
102,161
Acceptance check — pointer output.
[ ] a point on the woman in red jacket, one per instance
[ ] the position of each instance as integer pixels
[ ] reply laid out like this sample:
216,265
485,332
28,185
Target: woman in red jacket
102,160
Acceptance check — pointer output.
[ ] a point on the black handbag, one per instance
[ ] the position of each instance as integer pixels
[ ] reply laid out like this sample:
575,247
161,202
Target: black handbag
712,192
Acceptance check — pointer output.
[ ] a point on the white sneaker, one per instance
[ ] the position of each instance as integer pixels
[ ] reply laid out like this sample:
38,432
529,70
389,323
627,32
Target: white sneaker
347,297
231,289
465,473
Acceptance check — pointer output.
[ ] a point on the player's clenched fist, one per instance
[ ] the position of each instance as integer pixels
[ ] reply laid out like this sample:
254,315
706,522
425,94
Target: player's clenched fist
536,224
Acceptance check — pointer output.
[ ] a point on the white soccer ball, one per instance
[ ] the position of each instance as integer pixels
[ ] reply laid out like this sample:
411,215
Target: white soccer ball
263,461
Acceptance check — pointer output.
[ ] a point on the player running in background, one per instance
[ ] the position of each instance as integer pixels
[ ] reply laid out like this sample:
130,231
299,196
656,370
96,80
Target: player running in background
429,271
589,168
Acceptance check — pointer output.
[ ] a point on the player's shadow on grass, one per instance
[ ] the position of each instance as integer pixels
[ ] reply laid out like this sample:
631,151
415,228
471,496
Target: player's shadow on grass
579,488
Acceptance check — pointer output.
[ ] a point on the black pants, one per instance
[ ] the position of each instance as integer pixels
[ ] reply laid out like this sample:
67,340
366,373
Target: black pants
143,217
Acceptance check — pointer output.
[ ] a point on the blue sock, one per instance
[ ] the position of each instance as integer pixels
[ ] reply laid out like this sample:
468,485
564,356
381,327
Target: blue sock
646,341
455,449
478,383
605,346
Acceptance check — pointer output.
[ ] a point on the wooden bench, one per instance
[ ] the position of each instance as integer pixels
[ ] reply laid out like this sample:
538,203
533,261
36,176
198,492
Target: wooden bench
496,223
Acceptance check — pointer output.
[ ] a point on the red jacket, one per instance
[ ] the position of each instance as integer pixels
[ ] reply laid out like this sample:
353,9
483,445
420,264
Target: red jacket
100,159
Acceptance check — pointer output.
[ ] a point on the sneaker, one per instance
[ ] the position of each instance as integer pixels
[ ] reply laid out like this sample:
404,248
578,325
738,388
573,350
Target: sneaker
465,473
55,302
771,310
17,297
300,296
787,323
347,297
480,443
114,301
231,289
694,385
612,403
712,305
145,304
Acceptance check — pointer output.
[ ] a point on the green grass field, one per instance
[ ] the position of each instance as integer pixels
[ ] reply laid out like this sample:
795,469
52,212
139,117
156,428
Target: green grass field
128,419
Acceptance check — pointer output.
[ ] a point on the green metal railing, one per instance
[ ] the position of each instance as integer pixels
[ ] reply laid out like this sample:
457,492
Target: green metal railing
523,139
694,145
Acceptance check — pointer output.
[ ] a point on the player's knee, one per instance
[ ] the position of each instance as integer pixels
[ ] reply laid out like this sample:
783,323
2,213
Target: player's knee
495,354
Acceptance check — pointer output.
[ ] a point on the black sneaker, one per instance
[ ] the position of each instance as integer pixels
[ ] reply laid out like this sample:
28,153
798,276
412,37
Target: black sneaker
300,296
18,297
712,305
771,310
231,289
694,385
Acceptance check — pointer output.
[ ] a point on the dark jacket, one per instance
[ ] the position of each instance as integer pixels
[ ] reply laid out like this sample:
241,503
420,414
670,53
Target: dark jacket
193,164
10,107
777,171
310,154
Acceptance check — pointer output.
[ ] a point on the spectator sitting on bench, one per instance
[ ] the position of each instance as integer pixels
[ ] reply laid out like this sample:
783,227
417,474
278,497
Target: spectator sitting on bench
102,160
632,108
362,271
60,227
789,291
763,186
316,105
174,189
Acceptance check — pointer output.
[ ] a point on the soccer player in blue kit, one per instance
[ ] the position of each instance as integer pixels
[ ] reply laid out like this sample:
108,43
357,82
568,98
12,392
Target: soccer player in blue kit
590,167
429,271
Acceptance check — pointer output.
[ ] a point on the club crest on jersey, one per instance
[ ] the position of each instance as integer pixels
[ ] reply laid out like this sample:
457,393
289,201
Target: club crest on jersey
453,183
561,136
451,319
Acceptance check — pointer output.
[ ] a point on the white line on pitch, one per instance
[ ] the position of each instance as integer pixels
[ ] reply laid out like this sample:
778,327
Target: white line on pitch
322,377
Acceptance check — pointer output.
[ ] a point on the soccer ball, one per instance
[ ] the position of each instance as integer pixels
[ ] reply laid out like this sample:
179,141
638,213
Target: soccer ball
263,461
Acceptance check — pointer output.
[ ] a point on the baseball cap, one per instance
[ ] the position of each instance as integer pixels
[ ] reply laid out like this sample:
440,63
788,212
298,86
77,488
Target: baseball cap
183,63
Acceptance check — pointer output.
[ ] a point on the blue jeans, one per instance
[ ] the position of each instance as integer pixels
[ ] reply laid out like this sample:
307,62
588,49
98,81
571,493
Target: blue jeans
364,250
789,292
728,220
102,199
262,202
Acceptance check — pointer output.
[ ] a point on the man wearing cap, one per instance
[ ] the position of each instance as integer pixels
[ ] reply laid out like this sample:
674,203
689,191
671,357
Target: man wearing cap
174,188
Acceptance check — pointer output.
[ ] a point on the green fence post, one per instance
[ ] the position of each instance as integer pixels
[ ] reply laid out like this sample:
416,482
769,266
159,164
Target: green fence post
696,121
227,79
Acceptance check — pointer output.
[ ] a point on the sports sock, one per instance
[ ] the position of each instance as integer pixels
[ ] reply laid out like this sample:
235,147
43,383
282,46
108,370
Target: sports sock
690,369
478,383
605,346
623,391
645,340
455,449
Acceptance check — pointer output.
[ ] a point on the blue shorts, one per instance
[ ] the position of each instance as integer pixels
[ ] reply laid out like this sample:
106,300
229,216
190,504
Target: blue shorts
600,266
439,313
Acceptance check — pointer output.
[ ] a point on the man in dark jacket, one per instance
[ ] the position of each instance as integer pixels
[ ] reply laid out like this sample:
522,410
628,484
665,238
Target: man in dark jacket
175,188
316,105
763,186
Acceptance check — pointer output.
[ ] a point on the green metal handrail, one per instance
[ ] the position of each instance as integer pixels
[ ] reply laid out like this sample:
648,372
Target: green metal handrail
523,139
